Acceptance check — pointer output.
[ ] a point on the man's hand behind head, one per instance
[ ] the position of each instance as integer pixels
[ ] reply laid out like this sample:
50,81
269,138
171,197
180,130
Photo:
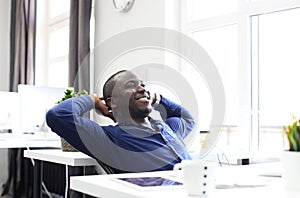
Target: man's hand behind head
101,107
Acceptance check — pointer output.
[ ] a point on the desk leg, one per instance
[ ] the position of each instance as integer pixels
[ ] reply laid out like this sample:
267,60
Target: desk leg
12,170
37,179
75,171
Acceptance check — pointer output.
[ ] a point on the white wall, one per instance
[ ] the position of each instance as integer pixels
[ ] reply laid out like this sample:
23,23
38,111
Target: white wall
4,44
144,13
108,22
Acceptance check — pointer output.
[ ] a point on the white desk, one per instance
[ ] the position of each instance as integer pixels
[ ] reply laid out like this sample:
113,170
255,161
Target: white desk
77,160
37,140
104,186
60,157
16,141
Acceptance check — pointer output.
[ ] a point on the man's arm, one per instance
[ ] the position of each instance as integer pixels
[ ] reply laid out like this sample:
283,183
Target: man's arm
177,117
66,119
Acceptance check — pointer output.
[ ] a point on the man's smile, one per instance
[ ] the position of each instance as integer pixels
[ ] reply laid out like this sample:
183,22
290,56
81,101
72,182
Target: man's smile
145,97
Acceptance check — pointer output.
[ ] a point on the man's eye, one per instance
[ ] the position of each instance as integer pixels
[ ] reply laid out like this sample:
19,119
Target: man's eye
134,85
131,85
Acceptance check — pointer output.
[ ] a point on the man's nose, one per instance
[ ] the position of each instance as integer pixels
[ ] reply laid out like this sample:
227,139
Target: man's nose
141,88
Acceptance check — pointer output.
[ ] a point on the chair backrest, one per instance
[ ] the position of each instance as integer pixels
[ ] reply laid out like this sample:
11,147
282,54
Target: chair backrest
106,168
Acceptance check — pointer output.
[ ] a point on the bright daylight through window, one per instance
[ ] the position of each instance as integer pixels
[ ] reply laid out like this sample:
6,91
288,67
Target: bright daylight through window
255,46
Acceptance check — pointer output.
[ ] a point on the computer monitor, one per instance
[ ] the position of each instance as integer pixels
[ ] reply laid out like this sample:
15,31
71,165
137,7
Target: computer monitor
35,101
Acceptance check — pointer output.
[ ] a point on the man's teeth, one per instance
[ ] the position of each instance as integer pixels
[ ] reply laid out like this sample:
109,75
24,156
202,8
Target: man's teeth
144,99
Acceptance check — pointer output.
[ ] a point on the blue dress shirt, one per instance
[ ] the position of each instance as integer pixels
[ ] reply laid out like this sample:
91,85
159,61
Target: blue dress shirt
125,148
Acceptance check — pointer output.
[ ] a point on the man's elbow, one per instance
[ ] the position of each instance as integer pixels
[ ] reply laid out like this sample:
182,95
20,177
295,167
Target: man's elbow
51,117
191,124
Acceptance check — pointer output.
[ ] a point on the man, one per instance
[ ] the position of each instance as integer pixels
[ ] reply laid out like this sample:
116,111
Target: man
137,142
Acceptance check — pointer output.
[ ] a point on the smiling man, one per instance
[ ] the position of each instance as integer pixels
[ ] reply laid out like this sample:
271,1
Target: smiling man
137,142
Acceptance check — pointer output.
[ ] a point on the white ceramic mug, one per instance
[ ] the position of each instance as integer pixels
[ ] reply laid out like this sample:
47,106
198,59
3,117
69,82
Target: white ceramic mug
198,177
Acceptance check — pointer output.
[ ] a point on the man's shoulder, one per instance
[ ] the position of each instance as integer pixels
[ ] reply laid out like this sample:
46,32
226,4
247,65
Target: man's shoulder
110,127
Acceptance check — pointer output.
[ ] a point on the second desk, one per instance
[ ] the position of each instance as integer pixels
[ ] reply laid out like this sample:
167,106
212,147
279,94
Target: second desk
77,160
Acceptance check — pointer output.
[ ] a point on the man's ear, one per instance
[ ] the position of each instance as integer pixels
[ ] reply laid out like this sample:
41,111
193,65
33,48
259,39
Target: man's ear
112,102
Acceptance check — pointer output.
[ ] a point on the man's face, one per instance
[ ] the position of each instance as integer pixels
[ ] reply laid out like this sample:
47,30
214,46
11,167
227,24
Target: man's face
130,96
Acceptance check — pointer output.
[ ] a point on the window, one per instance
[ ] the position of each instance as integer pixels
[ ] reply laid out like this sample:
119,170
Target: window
255,46
278,67
52,43
216,31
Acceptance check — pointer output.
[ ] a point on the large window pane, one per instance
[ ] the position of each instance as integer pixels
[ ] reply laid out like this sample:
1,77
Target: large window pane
279,69
221,45
57,75
52,43
59,42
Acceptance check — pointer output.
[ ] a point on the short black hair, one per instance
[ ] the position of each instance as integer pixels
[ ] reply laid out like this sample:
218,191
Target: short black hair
109,85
